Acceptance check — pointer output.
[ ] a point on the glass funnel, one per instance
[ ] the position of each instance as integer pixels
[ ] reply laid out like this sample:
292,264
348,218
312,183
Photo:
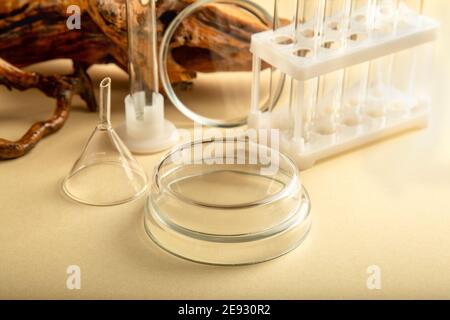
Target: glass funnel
106,173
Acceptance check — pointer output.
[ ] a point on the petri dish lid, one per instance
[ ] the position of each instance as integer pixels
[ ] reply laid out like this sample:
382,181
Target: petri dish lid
210,41
227,202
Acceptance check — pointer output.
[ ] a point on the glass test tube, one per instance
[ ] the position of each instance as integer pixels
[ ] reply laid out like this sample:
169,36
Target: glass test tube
407,62
386,17
308,23
379,92
142,46
280,8
333,35
275,26
256,85
356,77
423,73
410,13
308,20
423,66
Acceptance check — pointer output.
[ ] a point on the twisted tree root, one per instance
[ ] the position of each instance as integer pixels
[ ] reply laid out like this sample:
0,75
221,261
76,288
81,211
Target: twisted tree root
34,31
62,88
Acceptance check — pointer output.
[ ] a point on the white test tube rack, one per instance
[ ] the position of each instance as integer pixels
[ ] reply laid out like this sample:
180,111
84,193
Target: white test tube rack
298,51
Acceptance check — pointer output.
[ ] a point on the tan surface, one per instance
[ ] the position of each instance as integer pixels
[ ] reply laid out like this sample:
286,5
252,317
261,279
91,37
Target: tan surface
387,205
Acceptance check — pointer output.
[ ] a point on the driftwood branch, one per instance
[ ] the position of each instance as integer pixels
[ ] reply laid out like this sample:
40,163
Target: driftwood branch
62,88
33,31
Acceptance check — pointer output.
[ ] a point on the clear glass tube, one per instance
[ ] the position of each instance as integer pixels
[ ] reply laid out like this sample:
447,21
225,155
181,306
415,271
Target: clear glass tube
330,87
362,19
356,77
275,25
355,92
302,104
329,97
336,16
256,67
386,17
410,12
105,103
407,64
308,25
421,86
308,22
379,92
142,46
379,86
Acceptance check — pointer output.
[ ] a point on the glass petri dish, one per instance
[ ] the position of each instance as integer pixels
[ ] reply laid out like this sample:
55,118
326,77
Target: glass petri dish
227,202
217,51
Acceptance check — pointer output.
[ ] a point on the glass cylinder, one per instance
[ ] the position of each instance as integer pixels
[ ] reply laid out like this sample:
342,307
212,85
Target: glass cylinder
271,101
423,72
308,23
336,17
407,62
410,12
386,17
379,93
303,104
379,86
329,98
356,77
361,19
354,95
142,46
334,29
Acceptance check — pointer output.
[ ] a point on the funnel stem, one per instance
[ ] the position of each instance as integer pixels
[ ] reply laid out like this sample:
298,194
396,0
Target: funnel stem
105,103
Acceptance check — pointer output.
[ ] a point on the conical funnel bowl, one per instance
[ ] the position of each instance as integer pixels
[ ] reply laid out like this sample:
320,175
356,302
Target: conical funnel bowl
106,173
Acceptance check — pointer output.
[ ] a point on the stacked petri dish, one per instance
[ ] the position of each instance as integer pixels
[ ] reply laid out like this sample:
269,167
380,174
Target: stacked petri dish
227,202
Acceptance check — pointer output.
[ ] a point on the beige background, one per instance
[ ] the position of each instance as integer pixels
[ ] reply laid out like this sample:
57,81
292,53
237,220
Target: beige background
387,204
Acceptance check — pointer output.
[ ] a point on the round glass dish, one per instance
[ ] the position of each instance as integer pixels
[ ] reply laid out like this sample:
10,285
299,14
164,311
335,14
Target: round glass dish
220,98
227,202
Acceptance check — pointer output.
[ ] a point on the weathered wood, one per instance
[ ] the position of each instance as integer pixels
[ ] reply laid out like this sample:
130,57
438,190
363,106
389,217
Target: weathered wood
62,88
33,31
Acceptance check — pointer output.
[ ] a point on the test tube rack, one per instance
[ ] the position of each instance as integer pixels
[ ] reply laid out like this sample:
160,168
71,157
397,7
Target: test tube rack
357,72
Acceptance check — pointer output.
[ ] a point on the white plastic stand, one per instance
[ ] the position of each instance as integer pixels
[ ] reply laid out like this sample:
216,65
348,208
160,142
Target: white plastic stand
151,134
306,155
318,123
283,57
